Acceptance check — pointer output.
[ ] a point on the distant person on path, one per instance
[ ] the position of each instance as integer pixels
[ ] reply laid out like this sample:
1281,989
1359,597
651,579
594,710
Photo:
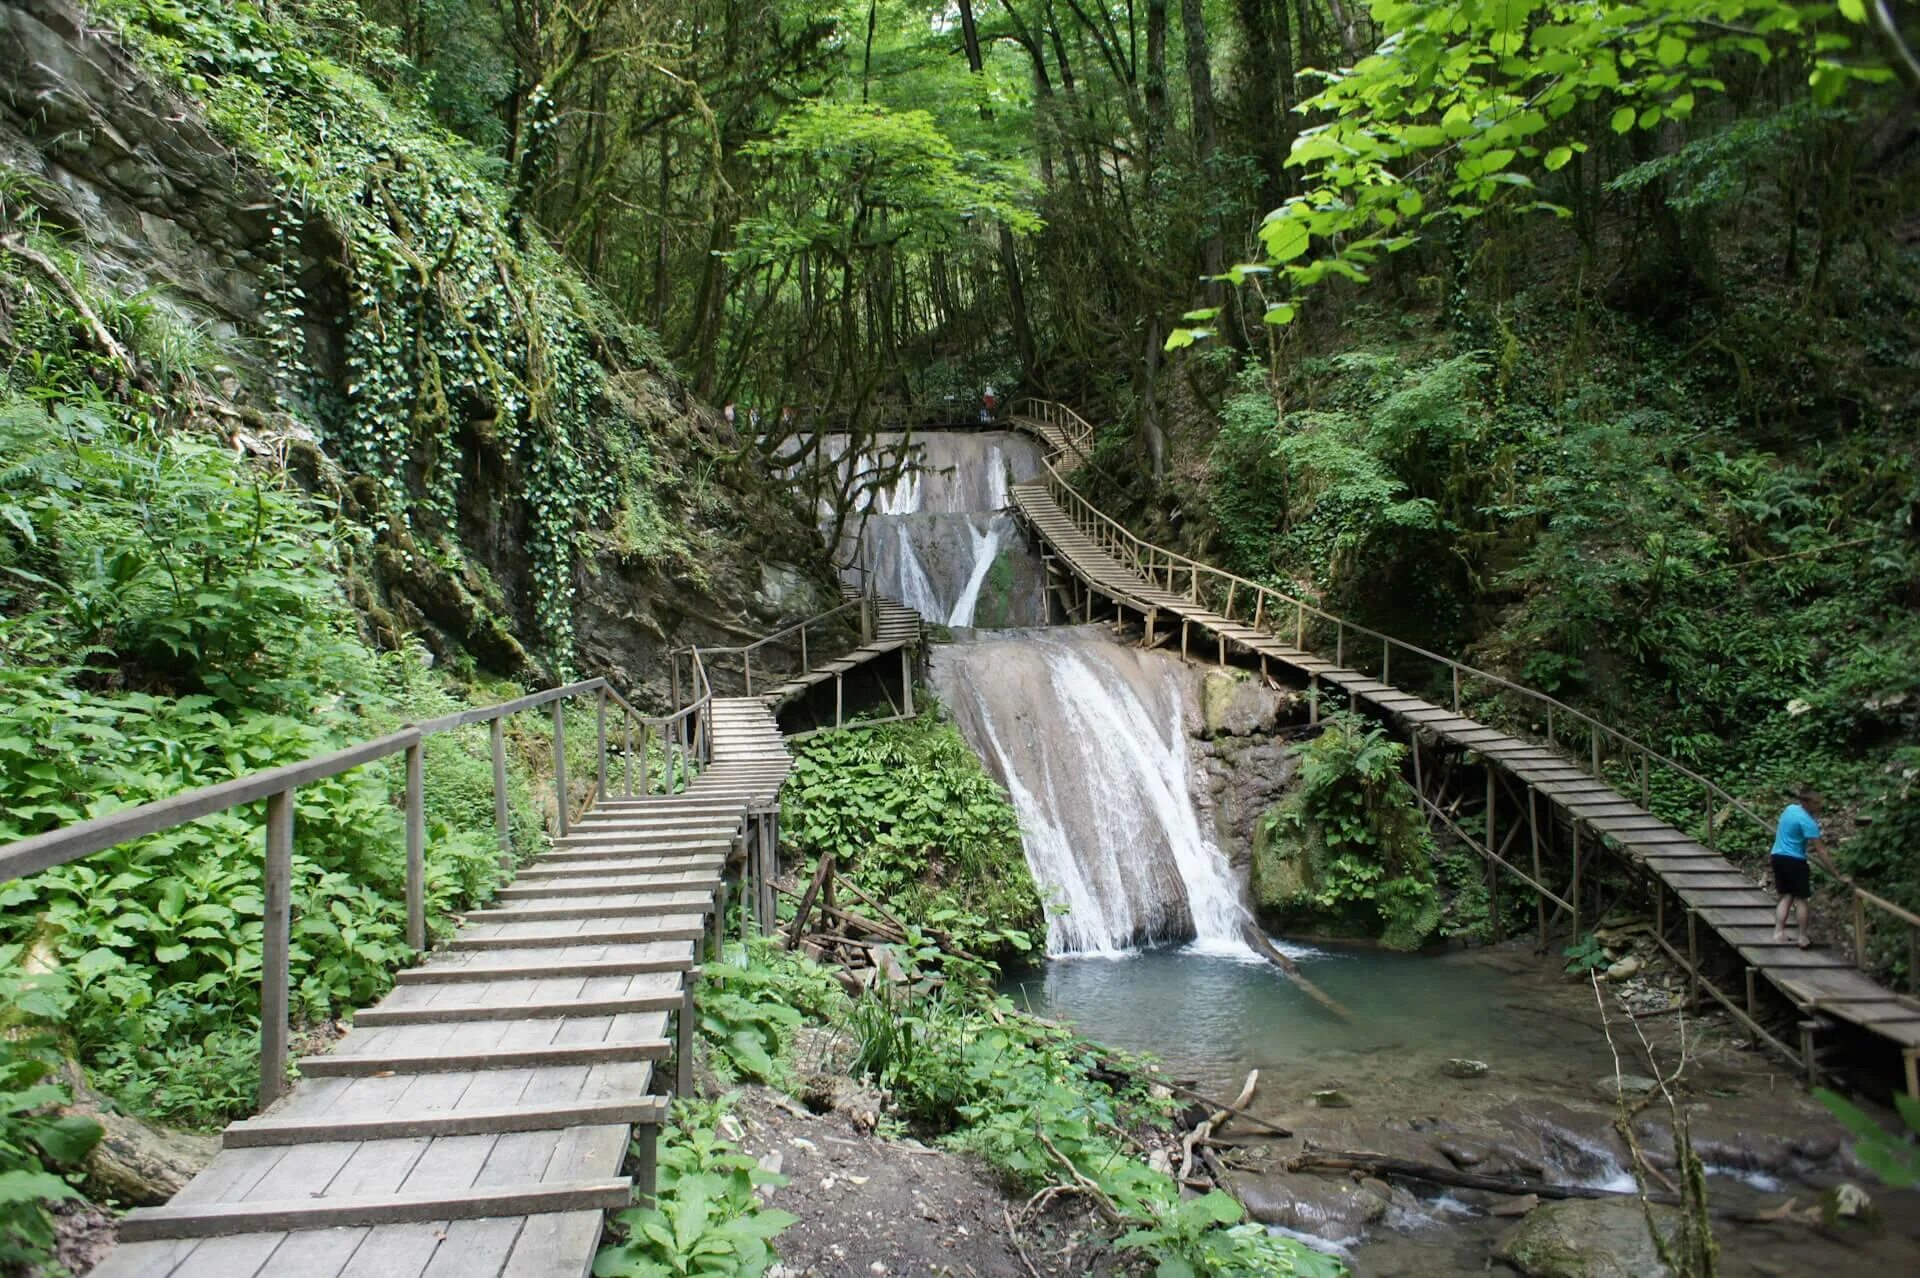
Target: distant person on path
988,402
1798,835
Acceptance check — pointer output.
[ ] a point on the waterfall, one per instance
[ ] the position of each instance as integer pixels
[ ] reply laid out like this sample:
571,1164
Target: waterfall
1088,737
938,539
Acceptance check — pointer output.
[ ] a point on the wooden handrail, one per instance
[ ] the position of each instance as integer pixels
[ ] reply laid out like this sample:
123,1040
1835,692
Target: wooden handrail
1268,606
684,730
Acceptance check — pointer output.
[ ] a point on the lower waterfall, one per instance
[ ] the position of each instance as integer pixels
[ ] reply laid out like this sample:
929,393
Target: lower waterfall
1088,737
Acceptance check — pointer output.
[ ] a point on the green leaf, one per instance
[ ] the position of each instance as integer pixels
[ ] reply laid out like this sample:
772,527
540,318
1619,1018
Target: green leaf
69,1138
1557,158
1671,50
1285,238
1622,119
1279,313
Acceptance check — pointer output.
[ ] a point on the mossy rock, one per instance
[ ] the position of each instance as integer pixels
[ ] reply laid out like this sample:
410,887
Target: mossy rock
1282,871
1588,1238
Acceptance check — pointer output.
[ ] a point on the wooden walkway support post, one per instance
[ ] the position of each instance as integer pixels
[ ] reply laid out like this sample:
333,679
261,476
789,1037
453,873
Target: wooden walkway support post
561,821
1533,825
417,847
275,946
502,818
1493,870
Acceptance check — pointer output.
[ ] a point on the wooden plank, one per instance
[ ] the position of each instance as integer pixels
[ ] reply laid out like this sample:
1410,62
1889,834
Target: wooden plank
436,973
377,1016
262,1132
665,930
636,908
214,1220
369,1064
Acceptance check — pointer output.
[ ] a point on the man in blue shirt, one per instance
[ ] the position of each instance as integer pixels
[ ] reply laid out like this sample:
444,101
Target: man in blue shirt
1797,836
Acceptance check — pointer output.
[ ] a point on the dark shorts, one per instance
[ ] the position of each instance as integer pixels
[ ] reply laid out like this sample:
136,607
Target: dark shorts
1792,876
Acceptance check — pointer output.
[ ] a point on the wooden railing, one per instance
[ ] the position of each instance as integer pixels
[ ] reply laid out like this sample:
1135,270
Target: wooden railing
683,735
1076,430
1721,820
712,656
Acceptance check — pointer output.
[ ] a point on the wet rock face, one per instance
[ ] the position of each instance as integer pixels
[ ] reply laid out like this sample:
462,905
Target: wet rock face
1240,754
156,197
1587,1238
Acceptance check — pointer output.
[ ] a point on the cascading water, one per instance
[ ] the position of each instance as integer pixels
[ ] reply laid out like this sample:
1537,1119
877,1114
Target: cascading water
1088,737
938,539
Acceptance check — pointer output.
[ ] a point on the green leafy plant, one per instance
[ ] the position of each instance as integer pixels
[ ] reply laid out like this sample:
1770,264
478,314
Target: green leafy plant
911,816
1894,1160
1348,848
1585,955
34,1144
706,1219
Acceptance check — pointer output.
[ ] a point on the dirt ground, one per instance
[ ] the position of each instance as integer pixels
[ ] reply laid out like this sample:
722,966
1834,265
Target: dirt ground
871,1207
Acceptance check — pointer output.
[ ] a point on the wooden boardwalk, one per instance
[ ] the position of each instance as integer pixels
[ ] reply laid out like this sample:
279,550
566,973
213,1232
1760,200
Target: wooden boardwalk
1821,983
475,1122
896,628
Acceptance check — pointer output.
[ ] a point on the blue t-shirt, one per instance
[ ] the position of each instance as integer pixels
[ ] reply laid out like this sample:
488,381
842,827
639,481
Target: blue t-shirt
1796,827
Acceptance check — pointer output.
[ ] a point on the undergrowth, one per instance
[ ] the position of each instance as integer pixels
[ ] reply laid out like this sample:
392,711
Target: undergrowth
1348,850
910,815
1044,1108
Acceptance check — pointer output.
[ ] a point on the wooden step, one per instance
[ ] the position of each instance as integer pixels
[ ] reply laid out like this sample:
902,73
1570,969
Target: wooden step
213,1220
377,1064
259,1133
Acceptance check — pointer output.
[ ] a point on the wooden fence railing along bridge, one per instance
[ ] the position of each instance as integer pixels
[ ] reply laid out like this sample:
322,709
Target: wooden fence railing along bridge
477,1120
1570,780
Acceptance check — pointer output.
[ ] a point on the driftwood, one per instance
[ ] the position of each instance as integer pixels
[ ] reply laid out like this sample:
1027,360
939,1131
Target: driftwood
1233,1110
820,877
1258,940
1205,1129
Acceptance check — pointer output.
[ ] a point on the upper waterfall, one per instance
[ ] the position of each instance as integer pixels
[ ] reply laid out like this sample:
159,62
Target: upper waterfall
939,539
1089,738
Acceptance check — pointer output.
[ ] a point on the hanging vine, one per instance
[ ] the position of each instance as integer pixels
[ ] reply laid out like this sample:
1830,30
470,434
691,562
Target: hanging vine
450,322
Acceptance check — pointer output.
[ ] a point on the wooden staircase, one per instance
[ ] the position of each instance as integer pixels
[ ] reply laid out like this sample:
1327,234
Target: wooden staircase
477,1119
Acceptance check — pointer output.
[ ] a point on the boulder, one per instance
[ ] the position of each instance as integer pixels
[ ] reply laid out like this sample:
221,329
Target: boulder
1628,966
1332,1098
1233,703
1588,1238
1464,1067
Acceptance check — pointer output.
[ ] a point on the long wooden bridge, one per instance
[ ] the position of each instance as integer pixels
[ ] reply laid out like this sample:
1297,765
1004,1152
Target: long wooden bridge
480,1119
1598,782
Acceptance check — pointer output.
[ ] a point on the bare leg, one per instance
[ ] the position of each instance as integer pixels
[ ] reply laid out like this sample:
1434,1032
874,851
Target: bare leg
1780,918
1806,916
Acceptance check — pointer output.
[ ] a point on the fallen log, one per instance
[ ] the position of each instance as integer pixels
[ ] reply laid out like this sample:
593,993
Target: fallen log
1258,940
1381,1165
1205,1128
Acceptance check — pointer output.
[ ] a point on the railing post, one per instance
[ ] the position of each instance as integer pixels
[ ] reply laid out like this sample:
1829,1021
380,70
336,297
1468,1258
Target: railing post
502,823
1339,643
1593,734
275,943
561,821
646,787
416,847
626,724
1386,661
1711,842
600,744
1259,607
1859,932
673,664
804,665
1300,625
746,662
1456,689
906,679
